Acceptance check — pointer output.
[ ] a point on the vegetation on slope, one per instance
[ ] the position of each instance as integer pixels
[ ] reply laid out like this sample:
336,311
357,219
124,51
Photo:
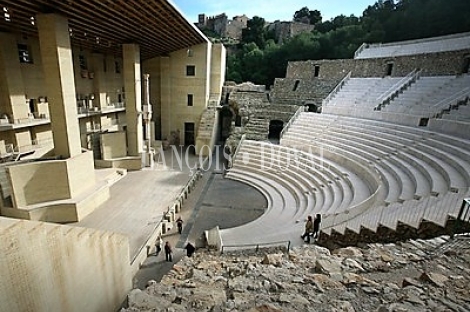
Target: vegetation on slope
258,58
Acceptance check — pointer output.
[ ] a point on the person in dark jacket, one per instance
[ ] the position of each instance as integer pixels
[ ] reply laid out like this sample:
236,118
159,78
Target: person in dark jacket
168,252
308,229
316,226
179,223
190,249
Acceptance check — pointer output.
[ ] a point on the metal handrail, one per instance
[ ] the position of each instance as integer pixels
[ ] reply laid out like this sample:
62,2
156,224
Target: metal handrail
336,89
232,159
360,49
293,118
257,245
393,89
453,97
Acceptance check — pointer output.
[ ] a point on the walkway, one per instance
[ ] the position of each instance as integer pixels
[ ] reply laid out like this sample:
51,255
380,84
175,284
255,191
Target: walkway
139,200
214,201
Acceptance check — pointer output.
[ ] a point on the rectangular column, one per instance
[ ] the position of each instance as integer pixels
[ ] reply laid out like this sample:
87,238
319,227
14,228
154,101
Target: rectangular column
13,97
165,87
133,89
100,85
56,53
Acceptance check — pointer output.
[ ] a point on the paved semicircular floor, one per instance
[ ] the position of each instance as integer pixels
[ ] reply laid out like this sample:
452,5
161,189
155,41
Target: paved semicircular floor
215,201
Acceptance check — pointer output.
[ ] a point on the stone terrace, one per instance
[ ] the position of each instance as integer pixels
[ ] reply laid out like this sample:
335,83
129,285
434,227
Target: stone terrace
413,47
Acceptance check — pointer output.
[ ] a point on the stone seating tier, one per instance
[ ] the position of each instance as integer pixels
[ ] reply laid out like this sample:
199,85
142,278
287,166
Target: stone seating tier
308,169
451,173
422,148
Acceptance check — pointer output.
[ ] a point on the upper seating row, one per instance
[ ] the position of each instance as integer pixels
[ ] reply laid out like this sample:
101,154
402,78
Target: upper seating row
363,92
423,97
412,47
429,96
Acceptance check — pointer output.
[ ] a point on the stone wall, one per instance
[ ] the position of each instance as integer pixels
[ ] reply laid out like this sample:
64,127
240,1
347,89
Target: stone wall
328,69
431,64
311,81
49,267
307,91
256,111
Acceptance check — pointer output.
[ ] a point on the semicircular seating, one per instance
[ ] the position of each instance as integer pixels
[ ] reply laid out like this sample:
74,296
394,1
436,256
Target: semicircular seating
360,174
304,184
437,165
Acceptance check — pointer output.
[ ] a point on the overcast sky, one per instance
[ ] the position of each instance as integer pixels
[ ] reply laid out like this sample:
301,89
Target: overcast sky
270,10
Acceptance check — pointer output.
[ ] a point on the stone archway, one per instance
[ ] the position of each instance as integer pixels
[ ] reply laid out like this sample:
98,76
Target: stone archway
275,128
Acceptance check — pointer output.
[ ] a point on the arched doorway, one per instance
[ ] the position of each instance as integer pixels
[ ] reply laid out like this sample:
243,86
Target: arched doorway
275,128
311,108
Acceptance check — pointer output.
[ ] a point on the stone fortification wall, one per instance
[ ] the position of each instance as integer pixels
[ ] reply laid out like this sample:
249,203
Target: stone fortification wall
286,30
49,267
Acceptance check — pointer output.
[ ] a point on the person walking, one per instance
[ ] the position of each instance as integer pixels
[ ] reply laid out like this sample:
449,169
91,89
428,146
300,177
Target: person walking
158,246
190,249
179,223
168,252
316,226
308,229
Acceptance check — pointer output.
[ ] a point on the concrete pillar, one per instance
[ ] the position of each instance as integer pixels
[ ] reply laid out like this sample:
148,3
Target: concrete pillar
56,54
99,81
133,89
218,65
165,87
11,81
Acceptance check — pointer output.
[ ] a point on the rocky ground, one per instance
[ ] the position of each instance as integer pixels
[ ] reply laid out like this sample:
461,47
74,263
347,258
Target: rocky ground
416,275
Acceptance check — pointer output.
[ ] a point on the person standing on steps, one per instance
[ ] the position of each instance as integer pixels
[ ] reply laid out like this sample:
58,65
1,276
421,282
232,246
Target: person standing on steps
158,245
308,229
316,226
179,223
168,252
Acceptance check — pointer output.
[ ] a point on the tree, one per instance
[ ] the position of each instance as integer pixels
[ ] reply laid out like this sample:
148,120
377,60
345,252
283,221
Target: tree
304,15
255,32
261,60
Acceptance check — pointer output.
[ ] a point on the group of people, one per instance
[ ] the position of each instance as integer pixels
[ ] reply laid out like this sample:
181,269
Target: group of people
168,249
312,228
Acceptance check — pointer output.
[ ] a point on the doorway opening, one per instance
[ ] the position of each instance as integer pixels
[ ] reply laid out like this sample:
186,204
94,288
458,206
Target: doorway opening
275,129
